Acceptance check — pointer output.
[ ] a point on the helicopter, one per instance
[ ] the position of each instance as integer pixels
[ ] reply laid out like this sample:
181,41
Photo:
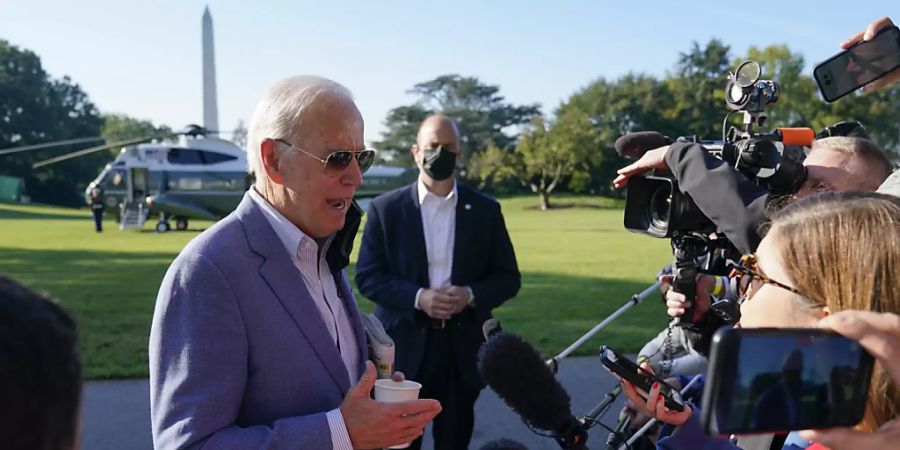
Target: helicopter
188,175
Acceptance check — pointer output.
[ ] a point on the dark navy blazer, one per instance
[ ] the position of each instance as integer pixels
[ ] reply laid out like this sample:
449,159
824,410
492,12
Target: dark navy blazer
393,265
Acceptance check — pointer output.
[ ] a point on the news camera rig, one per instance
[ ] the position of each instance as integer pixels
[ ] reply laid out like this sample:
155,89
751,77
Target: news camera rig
772,159
655,206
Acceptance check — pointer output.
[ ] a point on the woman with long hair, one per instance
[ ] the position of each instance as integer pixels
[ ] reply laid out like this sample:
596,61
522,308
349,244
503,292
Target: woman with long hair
823,254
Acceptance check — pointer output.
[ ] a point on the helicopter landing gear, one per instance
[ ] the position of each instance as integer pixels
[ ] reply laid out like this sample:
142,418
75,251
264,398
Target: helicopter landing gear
181,224
163,225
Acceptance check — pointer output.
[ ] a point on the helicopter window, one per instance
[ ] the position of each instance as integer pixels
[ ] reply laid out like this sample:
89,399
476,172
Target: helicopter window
205,181
115,178
192,156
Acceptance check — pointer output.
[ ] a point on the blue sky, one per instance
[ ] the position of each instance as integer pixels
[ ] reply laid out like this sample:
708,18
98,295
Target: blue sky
142,58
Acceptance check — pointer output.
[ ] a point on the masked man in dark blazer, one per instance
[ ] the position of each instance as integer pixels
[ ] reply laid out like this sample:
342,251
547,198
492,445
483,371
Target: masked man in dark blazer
436,258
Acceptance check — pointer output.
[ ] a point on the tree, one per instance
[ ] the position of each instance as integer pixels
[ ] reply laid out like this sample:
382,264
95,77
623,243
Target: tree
119,127
402,125
634,102
481,113
239,135
34,109
797,105
545,157
697,87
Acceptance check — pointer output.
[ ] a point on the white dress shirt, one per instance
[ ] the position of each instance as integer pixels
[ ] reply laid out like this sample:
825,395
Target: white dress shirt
439,228
313,268
439,225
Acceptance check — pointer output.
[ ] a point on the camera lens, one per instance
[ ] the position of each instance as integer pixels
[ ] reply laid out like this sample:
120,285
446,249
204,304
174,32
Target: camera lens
660,202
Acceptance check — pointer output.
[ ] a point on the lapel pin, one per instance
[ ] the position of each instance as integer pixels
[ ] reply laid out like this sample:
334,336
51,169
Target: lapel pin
468,206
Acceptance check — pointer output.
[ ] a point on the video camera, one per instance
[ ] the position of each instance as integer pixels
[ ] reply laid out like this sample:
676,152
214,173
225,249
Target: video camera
773,160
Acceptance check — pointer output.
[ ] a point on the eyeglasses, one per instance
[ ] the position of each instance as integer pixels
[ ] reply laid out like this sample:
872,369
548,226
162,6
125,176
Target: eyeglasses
747,271
338,160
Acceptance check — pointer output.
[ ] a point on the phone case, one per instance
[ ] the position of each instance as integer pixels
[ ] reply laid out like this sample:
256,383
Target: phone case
819,76
627,369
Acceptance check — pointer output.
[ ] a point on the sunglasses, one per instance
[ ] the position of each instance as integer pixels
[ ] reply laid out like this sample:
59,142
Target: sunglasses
750,279
338,160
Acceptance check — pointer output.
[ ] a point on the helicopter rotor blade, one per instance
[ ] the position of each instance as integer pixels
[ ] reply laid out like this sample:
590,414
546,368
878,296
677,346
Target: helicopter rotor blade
23,148
86,151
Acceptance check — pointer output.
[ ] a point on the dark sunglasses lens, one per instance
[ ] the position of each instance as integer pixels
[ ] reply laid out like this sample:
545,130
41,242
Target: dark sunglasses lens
338,161
365,159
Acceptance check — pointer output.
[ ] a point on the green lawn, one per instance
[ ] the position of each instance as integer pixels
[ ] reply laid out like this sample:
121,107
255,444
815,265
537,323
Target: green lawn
578,265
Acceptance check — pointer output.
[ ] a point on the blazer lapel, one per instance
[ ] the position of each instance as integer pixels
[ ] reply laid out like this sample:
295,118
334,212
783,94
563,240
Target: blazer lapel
465,216
416,237
282,276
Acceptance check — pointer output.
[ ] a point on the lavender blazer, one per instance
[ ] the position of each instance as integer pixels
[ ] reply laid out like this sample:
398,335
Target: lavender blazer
239,355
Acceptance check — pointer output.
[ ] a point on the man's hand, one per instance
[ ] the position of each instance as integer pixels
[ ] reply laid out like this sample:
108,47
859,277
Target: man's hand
459,296
653,159
437,304
676,302
879,333
372,424
867,35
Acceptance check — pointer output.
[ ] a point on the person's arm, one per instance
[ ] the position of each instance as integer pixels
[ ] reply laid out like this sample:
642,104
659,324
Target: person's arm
879,334
736,205
373,275
867,35
198,369
503,279
691,436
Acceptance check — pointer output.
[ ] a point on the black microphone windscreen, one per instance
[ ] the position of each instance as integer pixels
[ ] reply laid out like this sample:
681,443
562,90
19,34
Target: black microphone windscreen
634,145
516,372
503,444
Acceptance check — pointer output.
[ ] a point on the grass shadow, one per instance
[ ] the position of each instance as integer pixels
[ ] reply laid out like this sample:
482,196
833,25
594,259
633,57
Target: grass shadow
111,295
32,214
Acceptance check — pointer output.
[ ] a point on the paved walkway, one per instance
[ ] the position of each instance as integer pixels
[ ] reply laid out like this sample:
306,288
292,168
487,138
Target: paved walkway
117,413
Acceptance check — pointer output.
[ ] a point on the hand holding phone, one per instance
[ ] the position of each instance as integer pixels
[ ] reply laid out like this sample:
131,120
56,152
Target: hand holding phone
642,378
867,35
879,333
764,380
875,57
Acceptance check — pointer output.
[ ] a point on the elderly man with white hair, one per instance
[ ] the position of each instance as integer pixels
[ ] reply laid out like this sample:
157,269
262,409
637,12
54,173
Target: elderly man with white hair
256,340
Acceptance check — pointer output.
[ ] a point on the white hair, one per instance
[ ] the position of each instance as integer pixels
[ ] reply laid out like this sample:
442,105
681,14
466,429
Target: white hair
279,114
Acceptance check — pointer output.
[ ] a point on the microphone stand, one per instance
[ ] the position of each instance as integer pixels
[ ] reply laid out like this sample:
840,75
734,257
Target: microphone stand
553,363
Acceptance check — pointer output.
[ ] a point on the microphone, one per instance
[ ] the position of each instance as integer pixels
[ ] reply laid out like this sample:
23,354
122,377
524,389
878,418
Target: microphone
634,145
516,372
503,444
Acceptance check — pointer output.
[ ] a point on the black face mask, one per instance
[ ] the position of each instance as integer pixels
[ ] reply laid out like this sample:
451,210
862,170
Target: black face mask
438,163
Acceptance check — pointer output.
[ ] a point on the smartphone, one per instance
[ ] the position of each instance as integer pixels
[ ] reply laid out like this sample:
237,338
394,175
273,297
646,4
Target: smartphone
859,65
765,380
640,378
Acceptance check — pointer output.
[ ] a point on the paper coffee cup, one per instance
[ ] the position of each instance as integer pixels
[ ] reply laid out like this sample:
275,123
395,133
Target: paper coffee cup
390,391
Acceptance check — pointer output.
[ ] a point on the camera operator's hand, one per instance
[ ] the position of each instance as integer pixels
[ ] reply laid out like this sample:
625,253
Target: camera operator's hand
676,302
653,404
879,333
652,160
867,35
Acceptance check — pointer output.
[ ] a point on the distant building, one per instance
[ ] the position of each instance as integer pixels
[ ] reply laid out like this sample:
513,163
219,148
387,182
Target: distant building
12,190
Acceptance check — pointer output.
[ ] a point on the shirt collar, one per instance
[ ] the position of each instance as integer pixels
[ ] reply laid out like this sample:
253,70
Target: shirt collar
425,193
289,234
